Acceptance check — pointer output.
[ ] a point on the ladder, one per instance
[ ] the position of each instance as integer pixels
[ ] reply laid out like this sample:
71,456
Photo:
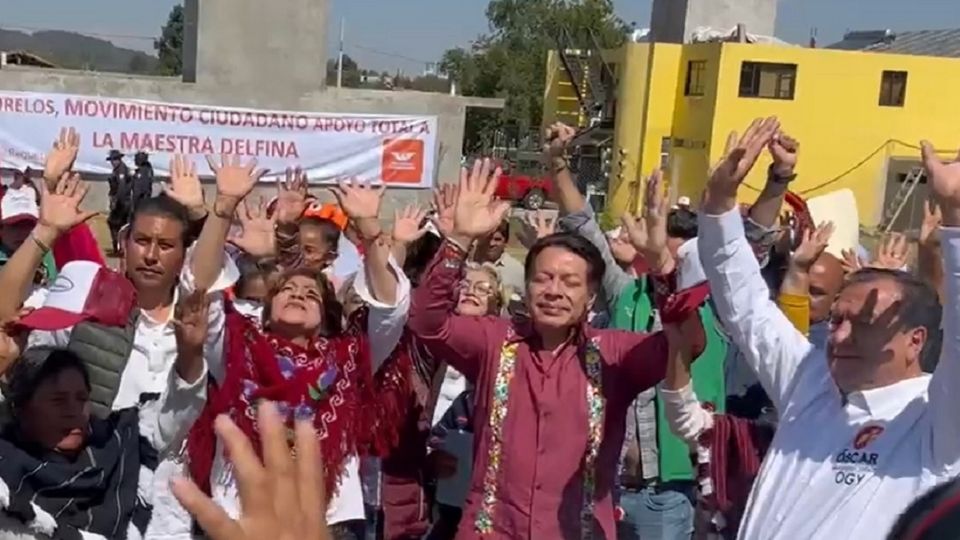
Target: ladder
585,68
900,199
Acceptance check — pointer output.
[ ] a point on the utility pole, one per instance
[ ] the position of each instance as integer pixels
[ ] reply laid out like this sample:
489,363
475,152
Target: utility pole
340,55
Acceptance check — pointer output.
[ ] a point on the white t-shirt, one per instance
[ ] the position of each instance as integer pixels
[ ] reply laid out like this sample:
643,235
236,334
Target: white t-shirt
838,466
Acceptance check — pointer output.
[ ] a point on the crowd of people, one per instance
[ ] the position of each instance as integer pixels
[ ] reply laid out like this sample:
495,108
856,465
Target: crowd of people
293,369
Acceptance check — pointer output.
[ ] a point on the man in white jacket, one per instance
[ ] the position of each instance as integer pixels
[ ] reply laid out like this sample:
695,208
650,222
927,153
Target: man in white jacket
862,430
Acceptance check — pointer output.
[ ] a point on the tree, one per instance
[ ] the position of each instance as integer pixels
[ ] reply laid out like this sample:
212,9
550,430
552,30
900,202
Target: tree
351,72
169,45
510,61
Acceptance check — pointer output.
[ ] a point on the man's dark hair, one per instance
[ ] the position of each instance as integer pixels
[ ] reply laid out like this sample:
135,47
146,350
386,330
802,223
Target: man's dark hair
919,305
682,223
163,206
36,365
329,230
574,243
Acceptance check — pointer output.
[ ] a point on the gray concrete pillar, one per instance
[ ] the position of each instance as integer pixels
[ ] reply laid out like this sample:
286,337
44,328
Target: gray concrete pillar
673,21
256,46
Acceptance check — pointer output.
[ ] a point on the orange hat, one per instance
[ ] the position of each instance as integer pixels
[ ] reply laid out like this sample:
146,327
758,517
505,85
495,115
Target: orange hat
327,211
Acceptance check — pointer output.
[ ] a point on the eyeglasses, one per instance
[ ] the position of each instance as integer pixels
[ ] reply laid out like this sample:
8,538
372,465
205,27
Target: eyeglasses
479,288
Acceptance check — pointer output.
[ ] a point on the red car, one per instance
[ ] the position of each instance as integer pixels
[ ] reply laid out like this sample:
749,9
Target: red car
529,191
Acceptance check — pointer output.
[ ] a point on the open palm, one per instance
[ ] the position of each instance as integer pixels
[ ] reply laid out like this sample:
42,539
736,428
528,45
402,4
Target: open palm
61,157
477,213
257,237
944,177
359,199
235,179
291,196
185,187
60,207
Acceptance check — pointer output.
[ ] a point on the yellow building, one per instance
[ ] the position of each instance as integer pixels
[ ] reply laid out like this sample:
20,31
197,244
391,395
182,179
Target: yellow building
858,115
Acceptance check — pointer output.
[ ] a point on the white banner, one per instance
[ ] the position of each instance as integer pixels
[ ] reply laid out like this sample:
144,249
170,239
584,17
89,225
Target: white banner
400,151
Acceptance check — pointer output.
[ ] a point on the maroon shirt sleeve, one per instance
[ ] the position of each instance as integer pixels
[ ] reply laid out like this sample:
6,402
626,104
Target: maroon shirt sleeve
462,342
643,357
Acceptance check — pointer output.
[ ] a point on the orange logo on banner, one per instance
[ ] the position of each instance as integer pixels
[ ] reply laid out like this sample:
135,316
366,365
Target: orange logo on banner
402,161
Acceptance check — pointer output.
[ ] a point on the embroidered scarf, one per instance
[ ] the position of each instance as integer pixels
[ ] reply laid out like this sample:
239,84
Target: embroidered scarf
331,381
95,493
499,407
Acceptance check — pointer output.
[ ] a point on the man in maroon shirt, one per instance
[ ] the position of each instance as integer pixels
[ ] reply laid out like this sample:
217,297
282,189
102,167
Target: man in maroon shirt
551,392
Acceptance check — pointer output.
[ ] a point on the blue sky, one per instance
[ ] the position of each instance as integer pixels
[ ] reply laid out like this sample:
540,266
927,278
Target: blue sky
404,34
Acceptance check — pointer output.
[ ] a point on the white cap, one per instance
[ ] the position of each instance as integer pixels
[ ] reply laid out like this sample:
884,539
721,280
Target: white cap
683,201
19,205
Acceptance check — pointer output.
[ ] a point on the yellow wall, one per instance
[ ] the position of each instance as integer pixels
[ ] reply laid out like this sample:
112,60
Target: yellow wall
834,114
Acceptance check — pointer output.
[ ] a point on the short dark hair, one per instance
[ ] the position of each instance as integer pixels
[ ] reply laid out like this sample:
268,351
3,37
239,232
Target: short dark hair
163,206
36,365
920,304
419,255
682,223
574,243
329,230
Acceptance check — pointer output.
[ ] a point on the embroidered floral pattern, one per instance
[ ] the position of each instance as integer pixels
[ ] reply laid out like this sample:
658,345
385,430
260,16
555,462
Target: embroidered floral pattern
595,406
498,413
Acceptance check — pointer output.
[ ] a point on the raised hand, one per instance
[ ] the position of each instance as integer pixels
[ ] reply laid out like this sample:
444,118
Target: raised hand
651,240
932,219
944,181
291,196
282,497
60,208
406,225
184,186
477,213
358,199
61,158
444,203
257,237
557,139
851,262
190,325
738,159
235,180
813,245
891,252
536,226
12,340
783,149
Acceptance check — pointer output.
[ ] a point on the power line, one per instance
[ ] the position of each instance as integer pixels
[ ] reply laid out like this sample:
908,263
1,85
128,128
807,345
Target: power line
390,54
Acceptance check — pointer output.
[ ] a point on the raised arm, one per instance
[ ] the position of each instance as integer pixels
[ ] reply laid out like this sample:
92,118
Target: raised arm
929,254
794,297
770,344
291,203
945,384
182,401
687,418
558,139
783,149
234,182
464,341
406,231
59,212
382,285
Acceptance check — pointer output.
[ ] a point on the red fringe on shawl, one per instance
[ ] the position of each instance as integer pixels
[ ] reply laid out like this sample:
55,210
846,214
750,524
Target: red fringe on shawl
737,447
359,411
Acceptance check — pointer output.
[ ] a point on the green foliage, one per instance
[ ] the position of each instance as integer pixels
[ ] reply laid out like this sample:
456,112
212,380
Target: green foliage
510,61
607,221
169,45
